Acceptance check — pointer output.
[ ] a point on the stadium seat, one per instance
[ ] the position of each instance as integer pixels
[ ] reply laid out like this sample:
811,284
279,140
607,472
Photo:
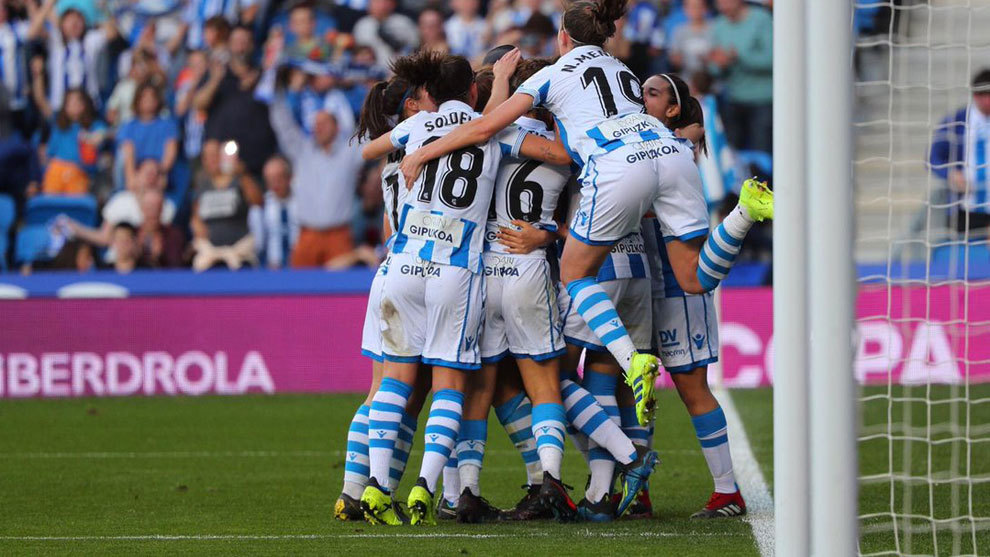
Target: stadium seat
7,216
33,237
954,255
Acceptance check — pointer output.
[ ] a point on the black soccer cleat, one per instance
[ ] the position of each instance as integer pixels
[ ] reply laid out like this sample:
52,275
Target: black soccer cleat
642,506
348,508
530,507
554,496
445,509
474,509
602,511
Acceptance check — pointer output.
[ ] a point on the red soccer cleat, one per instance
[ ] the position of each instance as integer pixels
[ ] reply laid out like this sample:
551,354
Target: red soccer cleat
723,505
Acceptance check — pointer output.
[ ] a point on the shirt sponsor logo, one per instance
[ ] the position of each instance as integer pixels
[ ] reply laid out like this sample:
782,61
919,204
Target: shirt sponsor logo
627,125
651,153
427,226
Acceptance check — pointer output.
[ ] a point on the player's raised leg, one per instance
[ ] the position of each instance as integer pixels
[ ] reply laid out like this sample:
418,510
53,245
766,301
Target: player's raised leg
723,244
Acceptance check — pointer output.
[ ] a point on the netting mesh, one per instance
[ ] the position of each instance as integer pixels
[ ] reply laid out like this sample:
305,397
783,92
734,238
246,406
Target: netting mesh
924,295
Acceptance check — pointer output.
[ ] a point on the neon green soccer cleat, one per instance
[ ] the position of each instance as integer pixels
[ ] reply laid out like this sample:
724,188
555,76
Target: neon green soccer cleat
421,508
642,378
377,505
757,199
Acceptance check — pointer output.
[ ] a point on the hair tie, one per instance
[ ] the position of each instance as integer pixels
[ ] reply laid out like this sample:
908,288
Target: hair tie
673,86
402,103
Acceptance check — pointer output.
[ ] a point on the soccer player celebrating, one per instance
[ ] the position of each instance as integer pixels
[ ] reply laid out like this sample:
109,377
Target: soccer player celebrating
386,102
433,301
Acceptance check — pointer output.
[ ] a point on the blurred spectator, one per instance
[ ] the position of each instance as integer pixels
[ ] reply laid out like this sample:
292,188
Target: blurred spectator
391,34
304,43
76,136
538,37
325,176
960,154
431,31
126,206
75,255
220,212
193,120
161,244
692,41
467,32
120,106
14,75
742,54
143,40
149,135
278,230
645,36
73,53
233,114
123,242
201,19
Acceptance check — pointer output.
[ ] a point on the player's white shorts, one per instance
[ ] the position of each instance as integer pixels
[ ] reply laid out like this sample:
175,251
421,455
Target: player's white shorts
631,297
432,312
522,315
687,331
371,335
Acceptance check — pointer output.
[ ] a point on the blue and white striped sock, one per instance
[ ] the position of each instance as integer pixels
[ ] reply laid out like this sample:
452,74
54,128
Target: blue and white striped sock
451,479
471,453
639,435
584,412
356,469
712,433
516,416
599,313
387,409
441,434
602,387
549,421
722,247
403,446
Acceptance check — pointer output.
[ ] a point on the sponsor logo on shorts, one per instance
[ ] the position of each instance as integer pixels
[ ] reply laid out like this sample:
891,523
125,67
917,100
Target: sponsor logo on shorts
668,338
673,353
469,343
631,245
651,153
500,266
699,340
426,270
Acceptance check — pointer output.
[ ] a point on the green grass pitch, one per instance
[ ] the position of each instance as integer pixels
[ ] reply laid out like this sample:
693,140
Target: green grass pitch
260,474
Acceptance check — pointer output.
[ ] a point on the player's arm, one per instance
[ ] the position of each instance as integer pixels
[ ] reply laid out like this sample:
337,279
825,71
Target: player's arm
503,70
684,257
544,150
378,148
474,132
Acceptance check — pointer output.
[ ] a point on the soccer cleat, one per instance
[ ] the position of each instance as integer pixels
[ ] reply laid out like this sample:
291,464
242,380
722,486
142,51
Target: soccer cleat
474,509
554,496
530,507
642,378
723,505
445,509
400,512
421,509
377,505
757,199
347,508
636,477
642,506
602,511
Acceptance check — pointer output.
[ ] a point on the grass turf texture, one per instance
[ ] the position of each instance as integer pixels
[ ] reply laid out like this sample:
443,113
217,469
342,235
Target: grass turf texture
260,474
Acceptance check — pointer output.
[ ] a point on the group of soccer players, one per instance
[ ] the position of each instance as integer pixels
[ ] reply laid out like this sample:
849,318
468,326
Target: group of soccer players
474,304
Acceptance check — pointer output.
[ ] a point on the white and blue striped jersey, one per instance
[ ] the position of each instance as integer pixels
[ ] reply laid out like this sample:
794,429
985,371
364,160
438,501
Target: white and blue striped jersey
597,101
74,65
394,191
466,38
526,190
977,159
444,215
13,67
198,11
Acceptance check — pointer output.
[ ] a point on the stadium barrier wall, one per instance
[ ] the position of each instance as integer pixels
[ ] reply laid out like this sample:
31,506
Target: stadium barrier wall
307,343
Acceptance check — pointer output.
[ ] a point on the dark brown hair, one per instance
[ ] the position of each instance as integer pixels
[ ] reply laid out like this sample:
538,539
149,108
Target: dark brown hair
88,115
383,106
483,78
141,89
592,21
691,112
524,71
445,77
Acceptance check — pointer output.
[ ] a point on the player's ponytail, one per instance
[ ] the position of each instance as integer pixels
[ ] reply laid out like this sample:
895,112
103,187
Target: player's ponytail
444,77
592,22
382,108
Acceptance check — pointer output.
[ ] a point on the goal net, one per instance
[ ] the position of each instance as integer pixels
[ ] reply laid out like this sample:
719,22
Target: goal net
923,310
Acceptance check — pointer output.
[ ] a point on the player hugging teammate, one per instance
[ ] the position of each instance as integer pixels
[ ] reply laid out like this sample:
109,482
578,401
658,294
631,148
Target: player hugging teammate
469,299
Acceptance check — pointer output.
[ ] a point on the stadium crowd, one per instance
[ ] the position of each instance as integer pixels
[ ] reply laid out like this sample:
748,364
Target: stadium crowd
217,133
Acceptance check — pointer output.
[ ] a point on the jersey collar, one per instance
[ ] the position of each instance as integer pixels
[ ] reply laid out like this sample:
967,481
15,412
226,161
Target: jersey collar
450,106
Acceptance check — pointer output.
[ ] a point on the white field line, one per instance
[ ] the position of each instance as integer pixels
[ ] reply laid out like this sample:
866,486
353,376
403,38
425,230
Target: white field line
759,503
433,535
224,454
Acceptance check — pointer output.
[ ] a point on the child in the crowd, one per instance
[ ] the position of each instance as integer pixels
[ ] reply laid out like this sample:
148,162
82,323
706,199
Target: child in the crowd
150,135
75,140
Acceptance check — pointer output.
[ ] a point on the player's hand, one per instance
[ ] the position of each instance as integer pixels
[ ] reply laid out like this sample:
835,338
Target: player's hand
523,239
411,167
506,65
692,132
957,180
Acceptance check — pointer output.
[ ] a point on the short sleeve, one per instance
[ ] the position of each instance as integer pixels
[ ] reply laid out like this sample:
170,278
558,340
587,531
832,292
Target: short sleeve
537,86
170,130
400,133
681,208
510,140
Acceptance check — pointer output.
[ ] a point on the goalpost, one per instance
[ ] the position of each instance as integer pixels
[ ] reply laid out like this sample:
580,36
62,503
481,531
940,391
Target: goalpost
881,307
